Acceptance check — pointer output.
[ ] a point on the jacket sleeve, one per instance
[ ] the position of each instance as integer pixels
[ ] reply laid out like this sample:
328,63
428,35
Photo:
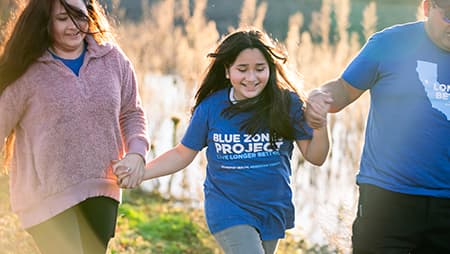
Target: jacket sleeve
12,108
132,117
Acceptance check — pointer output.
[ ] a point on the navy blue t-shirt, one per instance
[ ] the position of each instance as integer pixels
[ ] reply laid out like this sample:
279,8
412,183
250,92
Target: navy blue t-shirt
246,182
73,64
407,142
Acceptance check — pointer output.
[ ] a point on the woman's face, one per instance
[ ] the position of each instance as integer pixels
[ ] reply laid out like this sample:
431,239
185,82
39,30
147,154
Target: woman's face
67,38
248,74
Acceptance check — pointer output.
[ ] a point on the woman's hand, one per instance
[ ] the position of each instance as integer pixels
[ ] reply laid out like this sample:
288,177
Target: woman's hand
129,170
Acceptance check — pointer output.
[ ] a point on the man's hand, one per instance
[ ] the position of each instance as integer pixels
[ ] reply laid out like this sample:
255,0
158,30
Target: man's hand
317,107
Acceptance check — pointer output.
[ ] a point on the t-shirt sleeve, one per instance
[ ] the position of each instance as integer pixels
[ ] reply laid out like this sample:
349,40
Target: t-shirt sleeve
362,72
301,129
196,134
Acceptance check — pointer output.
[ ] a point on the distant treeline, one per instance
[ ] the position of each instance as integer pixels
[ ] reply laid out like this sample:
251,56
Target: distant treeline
226,12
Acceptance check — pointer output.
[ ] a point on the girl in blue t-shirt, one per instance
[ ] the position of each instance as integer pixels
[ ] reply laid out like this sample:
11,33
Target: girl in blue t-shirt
247,114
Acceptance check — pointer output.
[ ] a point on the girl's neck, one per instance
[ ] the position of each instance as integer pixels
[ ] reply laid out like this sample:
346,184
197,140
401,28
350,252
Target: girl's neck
232,98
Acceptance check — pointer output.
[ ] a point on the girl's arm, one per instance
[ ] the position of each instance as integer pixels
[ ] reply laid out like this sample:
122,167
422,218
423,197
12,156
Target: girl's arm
169,162
316,150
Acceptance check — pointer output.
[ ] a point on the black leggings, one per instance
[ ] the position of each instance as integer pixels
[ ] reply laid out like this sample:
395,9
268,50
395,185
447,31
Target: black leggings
85,228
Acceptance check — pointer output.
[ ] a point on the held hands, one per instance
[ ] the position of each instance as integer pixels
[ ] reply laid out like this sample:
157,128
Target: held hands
317,107
129,170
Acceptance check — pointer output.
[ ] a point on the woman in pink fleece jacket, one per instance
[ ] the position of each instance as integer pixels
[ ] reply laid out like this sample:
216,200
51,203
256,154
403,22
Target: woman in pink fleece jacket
69,106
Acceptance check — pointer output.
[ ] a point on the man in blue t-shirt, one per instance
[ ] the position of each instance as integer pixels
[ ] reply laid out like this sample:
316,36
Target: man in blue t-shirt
404,176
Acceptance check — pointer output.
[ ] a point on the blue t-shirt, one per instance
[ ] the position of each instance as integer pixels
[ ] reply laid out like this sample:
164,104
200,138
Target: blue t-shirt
246,181
407,141
73,64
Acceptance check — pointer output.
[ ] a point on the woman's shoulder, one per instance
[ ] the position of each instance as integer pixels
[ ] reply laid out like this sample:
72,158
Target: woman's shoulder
104,49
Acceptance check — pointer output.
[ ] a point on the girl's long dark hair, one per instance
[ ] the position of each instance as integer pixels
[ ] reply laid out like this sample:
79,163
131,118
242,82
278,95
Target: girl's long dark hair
270,109
27,36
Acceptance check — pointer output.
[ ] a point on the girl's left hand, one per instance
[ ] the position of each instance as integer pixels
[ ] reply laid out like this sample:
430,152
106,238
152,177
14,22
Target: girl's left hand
317,107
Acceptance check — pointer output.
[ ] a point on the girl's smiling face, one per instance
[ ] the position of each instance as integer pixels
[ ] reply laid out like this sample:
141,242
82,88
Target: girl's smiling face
248,74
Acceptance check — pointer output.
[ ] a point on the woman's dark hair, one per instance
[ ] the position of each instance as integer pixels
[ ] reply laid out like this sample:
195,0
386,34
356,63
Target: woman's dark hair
270,108
27,36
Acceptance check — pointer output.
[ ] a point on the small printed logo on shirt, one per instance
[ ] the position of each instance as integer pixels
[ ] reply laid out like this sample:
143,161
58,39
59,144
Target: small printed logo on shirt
437,93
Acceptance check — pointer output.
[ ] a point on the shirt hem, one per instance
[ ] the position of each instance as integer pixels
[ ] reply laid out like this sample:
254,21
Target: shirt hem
55,204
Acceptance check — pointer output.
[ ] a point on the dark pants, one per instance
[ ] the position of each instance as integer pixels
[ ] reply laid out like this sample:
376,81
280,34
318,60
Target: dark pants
85,228
389,222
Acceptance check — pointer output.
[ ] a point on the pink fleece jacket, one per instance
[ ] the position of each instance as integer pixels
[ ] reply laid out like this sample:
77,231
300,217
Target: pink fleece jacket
68,129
